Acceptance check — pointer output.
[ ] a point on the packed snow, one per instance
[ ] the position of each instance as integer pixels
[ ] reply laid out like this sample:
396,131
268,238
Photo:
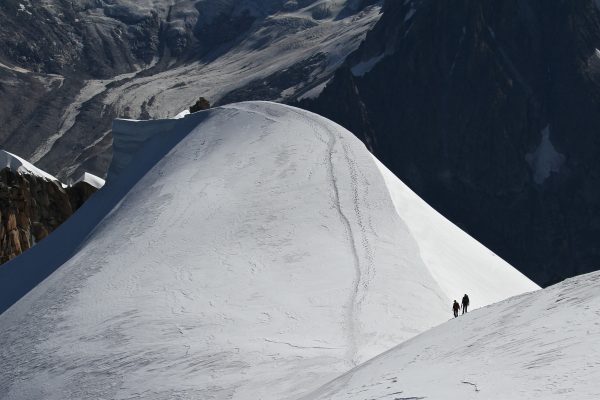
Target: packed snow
17,164
90,179
541,345
253,251
455,260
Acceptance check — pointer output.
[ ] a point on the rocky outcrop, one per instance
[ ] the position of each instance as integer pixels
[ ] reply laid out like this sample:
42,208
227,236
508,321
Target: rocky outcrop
201,104
31,207
490,111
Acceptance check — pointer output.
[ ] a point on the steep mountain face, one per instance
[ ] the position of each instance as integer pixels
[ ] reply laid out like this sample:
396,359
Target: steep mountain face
33,204
490,111
252,251
68,68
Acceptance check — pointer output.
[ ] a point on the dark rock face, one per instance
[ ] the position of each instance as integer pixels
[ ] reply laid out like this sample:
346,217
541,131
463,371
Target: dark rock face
490,111
48,52
32,207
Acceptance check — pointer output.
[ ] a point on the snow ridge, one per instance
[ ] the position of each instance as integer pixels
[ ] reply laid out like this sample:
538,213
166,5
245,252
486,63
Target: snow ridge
17,164
537,345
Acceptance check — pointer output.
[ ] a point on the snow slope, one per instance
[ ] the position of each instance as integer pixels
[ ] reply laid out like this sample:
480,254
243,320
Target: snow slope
253,251
455,260
540,345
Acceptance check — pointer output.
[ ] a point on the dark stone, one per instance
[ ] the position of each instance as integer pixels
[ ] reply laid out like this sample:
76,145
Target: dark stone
457,106
201,104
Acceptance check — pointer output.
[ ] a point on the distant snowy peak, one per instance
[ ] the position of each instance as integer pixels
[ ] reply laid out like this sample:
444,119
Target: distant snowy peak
17,164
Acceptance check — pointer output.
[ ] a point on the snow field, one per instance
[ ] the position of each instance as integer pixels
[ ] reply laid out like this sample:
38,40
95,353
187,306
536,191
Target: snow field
250,251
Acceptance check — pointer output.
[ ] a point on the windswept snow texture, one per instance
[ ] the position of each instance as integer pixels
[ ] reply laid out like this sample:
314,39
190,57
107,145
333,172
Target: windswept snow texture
17,164
541,345
262,256
455,260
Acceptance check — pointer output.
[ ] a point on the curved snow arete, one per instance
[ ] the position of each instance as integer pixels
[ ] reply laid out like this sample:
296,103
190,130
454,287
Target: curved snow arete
250,251
541,345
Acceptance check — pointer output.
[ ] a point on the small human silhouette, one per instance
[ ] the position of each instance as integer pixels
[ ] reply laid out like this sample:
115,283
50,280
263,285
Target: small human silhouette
465,303
455,308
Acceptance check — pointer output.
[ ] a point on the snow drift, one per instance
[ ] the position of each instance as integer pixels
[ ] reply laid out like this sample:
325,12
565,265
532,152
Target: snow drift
541,345
250,251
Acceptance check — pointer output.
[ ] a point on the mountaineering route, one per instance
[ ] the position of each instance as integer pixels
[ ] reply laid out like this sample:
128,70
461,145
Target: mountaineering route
363,274
471,384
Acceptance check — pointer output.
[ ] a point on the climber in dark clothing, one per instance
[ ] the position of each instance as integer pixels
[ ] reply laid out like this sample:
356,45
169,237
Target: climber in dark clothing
465,303
455,308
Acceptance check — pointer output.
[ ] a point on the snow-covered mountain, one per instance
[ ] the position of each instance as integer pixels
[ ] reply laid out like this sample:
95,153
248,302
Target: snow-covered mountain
68,68
249,251
541,345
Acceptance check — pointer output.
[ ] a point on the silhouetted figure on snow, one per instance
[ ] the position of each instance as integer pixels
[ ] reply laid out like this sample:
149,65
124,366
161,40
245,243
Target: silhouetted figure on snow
455,308
465,303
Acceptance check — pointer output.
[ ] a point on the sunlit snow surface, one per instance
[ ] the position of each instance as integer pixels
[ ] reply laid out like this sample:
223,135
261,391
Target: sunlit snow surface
254,251
90,179
19,165
541,345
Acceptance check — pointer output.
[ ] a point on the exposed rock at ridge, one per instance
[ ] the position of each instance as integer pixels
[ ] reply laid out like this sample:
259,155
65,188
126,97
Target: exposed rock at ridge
201,104
31,207
490,111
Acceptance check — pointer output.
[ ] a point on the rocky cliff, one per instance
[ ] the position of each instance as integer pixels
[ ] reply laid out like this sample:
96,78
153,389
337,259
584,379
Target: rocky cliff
490,111
31,207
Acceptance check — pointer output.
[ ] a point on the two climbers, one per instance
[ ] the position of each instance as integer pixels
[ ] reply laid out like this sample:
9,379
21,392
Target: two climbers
465,305
455,308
